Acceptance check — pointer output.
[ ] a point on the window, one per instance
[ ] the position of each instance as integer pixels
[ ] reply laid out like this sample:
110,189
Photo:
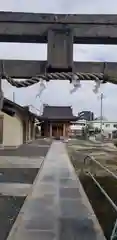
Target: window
115,125
107,125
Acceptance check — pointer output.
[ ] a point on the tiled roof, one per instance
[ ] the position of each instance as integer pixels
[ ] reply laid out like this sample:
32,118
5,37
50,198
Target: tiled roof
57,112
10,108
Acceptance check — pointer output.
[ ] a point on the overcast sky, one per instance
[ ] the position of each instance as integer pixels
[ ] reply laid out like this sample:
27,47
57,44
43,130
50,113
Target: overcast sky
58,92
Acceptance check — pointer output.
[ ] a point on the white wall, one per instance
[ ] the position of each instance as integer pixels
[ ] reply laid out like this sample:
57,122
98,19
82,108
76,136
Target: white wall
12,130
106,125
78,125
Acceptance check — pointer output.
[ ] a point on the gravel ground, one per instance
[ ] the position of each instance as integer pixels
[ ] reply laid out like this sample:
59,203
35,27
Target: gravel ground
18,175
25,151
10,206
33,149
9,209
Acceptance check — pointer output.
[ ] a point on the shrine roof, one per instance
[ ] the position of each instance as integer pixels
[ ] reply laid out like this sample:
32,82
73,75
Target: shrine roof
58,113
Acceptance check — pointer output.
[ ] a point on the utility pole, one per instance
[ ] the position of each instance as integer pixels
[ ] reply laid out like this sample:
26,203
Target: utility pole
13,96
101,110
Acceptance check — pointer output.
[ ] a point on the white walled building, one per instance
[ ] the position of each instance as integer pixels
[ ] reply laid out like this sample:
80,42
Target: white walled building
76,127
107,126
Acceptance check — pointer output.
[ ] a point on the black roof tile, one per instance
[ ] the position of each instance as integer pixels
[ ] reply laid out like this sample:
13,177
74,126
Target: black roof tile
57,112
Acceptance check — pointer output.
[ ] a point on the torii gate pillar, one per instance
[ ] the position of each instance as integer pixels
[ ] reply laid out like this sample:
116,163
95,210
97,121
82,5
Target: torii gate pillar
60,50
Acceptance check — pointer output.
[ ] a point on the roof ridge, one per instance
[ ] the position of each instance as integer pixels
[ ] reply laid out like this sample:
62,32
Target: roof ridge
57,106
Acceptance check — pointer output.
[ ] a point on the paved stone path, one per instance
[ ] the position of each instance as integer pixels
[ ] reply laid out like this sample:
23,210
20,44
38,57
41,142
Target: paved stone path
57,208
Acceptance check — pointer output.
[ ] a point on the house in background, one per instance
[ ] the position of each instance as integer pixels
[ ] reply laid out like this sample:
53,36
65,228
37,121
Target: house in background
108,127
77,127
86,115
17,124
56,121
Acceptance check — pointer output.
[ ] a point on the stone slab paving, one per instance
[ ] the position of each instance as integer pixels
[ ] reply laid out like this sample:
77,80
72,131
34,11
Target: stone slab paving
25,151
34,149
15,189
20,162
57,208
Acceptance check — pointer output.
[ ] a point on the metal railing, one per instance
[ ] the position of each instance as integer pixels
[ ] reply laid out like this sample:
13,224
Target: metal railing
90,160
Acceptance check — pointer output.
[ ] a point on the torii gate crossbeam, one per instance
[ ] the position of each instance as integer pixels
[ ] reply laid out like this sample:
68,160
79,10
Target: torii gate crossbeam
24,69
60,32
33,27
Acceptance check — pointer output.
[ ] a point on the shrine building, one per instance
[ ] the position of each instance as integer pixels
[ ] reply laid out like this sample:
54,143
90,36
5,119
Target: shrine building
55,121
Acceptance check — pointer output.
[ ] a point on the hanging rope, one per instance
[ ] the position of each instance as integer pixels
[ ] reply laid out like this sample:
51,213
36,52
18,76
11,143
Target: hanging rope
97,77
56,76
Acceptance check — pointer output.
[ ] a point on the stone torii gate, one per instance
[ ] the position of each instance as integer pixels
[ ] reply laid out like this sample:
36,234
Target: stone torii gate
59,31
